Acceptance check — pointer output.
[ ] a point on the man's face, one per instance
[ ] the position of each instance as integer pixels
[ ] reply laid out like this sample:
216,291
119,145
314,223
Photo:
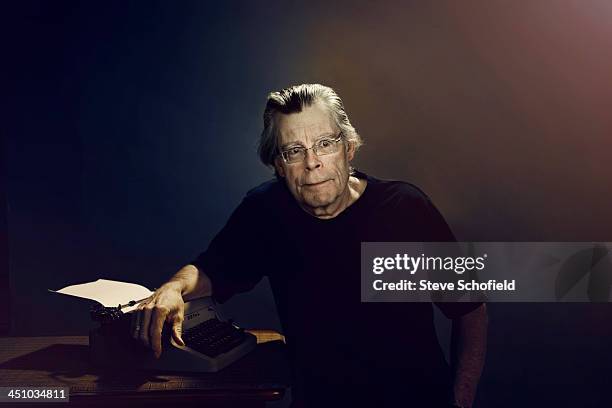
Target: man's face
316,182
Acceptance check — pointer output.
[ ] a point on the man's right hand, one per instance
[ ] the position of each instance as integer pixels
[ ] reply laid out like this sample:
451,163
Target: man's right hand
166,305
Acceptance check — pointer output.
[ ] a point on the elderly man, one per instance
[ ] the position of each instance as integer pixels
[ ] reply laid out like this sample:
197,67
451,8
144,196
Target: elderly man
303,230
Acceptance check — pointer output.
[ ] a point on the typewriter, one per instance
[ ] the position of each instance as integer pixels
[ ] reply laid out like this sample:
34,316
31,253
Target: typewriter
211,343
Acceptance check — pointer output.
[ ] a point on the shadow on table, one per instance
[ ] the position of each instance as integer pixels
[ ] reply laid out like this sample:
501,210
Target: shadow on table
67,363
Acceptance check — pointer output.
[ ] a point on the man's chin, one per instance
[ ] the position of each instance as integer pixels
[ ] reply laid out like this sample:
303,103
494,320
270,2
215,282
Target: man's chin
317,201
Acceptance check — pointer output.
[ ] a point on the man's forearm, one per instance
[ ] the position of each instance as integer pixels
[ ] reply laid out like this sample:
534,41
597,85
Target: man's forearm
468,349
191,282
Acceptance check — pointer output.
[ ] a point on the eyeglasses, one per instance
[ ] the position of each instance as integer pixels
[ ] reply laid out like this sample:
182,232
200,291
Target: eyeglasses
321,148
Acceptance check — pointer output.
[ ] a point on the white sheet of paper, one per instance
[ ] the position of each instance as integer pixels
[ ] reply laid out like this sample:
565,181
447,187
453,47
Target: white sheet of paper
109,293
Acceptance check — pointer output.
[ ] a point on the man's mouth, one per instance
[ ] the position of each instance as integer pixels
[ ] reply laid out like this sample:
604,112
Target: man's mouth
315,184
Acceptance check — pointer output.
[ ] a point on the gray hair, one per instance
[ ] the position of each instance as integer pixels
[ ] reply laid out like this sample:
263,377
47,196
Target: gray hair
293,100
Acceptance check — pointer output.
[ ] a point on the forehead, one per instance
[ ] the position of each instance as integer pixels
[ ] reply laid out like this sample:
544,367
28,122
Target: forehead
311,122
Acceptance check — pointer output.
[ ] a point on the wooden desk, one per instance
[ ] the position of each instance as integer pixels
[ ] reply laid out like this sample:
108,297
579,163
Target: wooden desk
263,375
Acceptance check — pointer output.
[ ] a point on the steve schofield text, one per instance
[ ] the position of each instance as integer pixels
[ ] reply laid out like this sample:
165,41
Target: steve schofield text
456,265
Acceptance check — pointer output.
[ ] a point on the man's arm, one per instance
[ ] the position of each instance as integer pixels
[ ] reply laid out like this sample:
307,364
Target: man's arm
167,305
191,282
468,349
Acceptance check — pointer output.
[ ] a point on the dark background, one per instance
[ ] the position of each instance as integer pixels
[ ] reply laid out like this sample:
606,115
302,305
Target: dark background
132,129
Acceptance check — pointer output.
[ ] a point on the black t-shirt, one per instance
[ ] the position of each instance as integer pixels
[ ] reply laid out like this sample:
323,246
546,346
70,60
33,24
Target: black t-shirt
336,342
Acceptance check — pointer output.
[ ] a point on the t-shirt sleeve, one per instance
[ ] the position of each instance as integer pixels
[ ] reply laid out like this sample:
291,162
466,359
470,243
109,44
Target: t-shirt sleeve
234,260
439,231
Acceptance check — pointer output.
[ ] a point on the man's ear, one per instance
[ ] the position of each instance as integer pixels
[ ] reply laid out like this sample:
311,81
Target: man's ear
278,165
350,151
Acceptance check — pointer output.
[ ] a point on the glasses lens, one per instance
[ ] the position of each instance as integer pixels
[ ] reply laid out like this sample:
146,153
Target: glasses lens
294,155
327,146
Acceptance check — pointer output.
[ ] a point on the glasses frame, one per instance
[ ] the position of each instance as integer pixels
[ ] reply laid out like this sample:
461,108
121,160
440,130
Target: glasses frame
314,147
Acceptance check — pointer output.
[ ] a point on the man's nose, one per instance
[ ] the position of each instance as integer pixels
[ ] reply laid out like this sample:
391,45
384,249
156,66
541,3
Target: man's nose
311,160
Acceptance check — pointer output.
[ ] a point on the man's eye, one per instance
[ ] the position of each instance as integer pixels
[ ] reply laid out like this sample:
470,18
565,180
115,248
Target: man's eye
325,143
293,152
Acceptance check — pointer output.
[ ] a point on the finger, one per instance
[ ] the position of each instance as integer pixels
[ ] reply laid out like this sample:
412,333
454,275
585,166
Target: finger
177,330
157,325
146,300
144,325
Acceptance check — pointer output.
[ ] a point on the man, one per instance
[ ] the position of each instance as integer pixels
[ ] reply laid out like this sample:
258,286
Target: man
304,230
